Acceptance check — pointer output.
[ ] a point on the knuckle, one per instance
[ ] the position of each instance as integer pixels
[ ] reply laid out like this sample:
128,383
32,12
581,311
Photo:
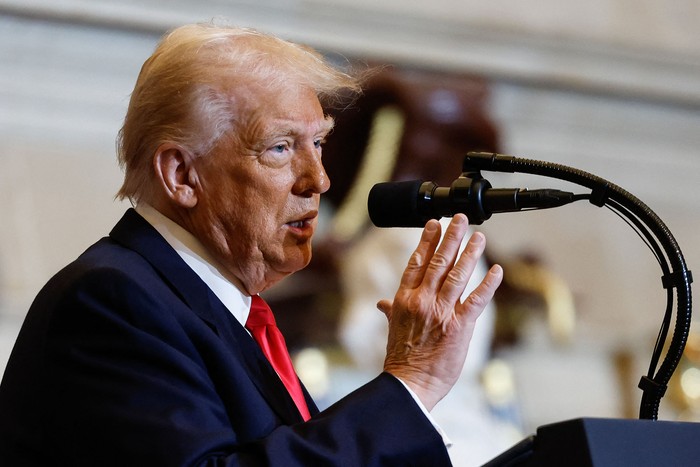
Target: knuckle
452,235
473,251
415,261
414,303
440,260
476,300
457,276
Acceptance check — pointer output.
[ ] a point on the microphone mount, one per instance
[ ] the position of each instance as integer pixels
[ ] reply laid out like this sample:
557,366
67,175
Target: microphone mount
466,192
474,196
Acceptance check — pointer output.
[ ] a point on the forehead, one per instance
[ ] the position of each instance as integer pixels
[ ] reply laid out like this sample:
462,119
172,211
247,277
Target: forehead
286,112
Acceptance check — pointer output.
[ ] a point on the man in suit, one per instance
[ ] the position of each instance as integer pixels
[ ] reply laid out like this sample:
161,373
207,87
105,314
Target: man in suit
137,352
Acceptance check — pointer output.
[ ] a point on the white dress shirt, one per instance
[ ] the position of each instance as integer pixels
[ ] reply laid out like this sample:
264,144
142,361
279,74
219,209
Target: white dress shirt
191,250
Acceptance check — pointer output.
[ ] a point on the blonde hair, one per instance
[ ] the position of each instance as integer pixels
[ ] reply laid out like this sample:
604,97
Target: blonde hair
186,91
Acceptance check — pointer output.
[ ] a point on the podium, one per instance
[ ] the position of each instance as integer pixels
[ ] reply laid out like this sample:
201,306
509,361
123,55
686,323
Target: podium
602,442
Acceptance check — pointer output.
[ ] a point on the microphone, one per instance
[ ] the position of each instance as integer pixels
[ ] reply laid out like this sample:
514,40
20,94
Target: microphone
413,203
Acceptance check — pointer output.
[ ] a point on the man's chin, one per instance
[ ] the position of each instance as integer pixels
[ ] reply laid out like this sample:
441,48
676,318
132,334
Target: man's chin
302,257
295,259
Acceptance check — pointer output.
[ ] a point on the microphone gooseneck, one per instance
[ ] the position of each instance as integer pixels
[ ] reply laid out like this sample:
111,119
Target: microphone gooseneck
412,204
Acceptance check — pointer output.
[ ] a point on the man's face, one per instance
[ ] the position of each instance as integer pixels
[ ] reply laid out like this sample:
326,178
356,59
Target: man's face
260,190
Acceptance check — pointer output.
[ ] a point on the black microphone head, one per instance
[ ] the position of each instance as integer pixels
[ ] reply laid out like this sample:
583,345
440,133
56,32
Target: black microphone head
395,204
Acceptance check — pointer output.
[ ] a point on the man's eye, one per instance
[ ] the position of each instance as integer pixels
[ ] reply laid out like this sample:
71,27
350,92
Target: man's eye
279,148
318,143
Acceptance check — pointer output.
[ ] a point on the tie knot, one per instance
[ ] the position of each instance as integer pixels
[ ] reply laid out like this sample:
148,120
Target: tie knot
260,313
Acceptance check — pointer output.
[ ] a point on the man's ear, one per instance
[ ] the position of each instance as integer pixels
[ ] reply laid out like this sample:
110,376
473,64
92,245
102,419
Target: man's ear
175,170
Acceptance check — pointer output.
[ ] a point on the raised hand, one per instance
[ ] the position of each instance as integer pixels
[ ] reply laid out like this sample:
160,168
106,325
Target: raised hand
429,327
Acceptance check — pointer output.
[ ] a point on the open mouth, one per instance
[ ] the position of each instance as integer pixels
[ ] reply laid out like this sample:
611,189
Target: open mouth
304,225
299,224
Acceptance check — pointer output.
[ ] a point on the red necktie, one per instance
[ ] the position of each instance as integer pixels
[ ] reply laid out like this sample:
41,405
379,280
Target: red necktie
262,326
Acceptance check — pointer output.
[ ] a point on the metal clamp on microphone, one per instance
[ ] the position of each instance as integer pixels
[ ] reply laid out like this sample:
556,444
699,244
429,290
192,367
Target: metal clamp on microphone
413,203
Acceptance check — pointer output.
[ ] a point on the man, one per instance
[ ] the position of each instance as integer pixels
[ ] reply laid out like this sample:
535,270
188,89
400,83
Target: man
137,354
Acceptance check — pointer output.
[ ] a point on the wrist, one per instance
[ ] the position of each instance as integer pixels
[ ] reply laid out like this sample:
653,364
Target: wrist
429,390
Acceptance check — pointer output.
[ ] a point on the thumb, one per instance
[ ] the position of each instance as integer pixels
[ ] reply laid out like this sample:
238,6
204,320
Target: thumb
385,307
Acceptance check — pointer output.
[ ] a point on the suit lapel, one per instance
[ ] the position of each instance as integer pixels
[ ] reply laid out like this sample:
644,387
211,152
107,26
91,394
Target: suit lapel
136,233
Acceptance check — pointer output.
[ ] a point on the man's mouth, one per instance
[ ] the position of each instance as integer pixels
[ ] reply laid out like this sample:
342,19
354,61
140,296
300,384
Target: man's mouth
298,224
305,224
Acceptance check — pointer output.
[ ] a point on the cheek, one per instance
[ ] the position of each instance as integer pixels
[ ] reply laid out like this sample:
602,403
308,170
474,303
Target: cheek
253,219
251,205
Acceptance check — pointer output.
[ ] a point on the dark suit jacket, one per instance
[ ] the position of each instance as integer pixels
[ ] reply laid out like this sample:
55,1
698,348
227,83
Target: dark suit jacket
127,358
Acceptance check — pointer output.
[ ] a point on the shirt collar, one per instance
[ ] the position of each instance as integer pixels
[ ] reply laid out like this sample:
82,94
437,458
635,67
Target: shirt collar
200,261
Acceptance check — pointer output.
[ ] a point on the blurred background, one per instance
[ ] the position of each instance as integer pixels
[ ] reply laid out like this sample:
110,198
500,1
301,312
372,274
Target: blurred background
611,87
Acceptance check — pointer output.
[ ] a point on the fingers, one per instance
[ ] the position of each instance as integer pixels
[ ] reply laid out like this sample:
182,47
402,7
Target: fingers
443,260
419,260
477,300
435,268
429,264
457,278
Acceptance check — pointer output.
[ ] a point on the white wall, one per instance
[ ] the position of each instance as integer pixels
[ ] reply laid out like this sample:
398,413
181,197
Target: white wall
608,86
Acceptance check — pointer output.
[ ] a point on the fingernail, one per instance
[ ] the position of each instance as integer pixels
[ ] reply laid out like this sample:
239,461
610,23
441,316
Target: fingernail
459,219
431,226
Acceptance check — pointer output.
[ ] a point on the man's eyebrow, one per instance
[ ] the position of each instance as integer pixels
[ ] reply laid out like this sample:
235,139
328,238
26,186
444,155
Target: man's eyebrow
327,125
324,127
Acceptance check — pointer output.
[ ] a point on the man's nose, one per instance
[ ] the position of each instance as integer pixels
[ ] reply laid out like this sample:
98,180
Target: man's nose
312,177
